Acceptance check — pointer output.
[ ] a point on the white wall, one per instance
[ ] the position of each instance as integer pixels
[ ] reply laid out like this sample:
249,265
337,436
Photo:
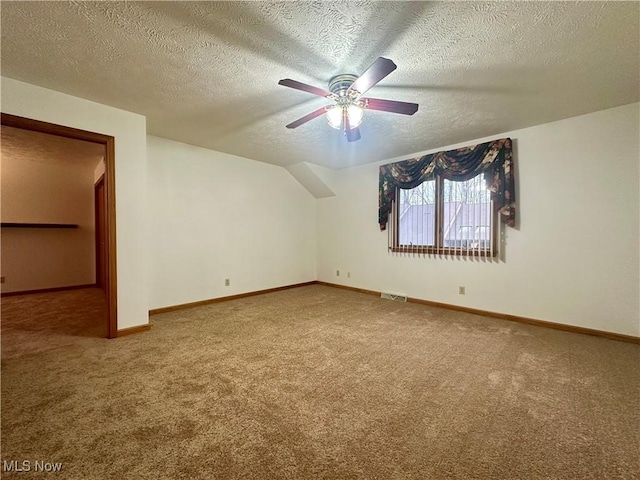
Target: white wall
41,192
216,216
129,130
574,259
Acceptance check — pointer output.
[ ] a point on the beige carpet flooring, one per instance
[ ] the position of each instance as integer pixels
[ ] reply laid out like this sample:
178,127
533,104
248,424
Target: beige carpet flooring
320,383
43,321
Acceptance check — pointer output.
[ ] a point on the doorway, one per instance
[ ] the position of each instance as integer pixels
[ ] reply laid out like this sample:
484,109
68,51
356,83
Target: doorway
105,206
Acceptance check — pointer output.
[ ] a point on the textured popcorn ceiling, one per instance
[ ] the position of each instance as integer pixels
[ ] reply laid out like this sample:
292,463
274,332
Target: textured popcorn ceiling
207,73
52,149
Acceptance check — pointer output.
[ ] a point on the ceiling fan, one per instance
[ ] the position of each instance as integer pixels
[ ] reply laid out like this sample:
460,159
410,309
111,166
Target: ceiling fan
346,91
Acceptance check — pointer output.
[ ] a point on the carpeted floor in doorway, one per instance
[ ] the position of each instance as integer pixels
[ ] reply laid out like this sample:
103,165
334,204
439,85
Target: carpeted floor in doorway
321,383
43,321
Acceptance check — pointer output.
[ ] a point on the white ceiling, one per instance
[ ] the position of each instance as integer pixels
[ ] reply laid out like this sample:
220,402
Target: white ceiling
27,145
206,73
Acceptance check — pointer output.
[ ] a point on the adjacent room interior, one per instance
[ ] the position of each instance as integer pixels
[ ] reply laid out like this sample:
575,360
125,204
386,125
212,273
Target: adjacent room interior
352,240
52,188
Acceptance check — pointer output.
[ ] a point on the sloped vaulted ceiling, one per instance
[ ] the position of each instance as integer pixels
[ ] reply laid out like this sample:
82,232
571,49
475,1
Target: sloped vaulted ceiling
206,73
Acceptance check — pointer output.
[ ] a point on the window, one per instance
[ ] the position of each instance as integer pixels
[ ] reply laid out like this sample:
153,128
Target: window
445,217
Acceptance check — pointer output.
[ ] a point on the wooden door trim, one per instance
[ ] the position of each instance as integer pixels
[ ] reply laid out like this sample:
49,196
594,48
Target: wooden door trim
109,180
96,216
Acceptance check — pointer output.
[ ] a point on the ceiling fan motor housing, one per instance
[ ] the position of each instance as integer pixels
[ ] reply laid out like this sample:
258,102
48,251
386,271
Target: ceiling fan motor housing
339,84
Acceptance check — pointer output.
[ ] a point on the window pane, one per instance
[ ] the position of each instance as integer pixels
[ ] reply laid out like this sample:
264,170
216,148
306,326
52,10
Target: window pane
467,214
417,215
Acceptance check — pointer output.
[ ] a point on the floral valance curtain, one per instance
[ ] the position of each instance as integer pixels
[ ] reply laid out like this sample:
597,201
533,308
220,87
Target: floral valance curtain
494,159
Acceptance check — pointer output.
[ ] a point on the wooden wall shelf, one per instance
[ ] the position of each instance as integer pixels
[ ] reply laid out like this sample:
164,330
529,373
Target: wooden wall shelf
38,225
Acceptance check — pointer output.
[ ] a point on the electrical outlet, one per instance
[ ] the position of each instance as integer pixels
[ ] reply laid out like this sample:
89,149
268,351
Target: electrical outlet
227,282
461,290
337,273
348,274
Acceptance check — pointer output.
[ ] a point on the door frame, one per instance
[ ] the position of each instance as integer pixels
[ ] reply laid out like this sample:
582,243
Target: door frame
110,201
99,268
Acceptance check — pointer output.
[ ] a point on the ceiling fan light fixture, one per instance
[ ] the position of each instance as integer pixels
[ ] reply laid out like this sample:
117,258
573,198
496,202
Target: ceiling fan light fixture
335,115
355,114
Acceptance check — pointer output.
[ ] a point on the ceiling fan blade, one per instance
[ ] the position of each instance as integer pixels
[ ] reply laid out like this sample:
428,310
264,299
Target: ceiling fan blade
393,106
308,117
287,82
353,134
376,72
